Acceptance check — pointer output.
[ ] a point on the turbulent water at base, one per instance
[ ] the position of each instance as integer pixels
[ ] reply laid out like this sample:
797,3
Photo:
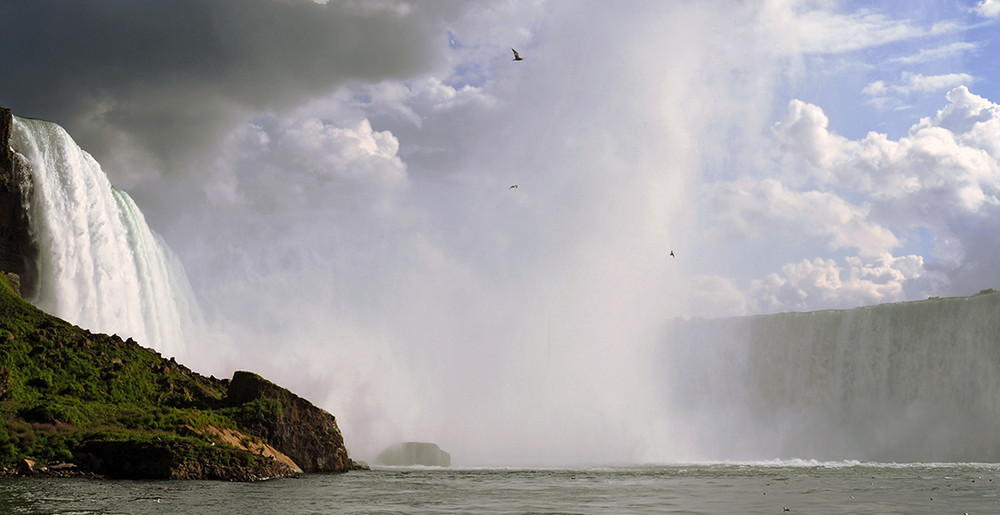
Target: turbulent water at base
690,489
916,381
100,266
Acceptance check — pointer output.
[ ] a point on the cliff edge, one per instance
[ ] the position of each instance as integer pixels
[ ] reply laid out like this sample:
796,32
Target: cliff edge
307,434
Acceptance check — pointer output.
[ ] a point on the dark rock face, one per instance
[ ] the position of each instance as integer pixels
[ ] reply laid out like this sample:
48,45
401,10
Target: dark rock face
307,434
414,453
17,251
6,124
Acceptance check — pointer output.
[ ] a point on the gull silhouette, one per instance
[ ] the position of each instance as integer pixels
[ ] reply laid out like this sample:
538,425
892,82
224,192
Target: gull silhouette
672,254
512,187
517,56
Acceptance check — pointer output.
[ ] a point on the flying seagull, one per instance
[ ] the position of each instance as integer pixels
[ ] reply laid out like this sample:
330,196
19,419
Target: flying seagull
672,254
517,57
512,187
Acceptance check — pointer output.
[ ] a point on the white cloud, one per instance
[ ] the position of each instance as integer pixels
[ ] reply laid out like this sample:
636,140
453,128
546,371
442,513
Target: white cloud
748,207
917,83
925,174
974,120
942,52
426,95
988,8
883,95
941,180
804,130
352,152
823,284
812,30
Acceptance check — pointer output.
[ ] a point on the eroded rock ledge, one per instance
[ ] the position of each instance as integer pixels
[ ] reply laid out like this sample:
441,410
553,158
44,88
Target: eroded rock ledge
306,434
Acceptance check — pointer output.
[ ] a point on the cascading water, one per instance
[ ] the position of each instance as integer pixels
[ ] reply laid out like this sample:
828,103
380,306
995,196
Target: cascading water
99,264
916,381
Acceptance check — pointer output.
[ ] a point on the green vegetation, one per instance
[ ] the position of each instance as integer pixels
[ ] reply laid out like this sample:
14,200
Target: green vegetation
255,413
63,388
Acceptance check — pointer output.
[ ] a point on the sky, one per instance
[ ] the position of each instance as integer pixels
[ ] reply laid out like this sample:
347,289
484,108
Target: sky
336,179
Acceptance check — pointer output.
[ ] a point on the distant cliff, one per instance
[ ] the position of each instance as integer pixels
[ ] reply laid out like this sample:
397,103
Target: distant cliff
414,453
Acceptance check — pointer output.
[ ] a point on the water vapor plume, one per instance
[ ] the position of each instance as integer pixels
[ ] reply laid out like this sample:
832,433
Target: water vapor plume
510,326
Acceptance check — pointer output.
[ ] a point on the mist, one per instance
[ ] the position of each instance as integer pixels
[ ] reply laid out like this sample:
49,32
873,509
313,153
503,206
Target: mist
376,258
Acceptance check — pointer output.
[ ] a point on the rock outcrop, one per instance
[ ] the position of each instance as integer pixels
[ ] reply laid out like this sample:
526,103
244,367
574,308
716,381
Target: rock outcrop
306,434
18,253
414,453
124,411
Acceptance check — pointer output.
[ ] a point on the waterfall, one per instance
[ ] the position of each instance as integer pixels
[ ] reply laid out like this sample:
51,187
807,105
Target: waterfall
99,264
915,381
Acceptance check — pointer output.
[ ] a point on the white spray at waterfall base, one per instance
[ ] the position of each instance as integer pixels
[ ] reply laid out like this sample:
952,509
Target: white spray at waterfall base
99,264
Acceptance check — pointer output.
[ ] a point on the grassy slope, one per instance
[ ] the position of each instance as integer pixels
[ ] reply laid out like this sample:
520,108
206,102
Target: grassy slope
61,386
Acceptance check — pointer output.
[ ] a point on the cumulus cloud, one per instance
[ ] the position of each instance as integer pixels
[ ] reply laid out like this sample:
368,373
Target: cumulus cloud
974,120
823,284
941,180
352,153
930,172
746,207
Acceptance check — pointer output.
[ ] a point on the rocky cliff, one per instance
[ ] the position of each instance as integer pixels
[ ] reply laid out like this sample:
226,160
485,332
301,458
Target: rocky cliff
17,252
74,402
307,434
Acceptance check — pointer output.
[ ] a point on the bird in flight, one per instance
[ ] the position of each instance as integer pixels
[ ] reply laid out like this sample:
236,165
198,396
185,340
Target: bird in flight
517,57
513,186
672,254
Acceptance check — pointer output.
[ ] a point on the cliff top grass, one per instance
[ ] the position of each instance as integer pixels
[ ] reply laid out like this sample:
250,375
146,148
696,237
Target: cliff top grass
62,387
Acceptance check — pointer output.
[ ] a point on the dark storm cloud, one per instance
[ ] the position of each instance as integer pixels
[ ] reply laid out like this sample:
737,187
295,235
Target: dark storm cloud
167,78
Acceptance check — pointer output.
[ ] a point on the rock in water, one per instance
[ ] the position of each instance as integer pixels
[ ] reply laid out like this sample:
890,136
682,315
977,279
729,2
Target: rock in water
414,453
